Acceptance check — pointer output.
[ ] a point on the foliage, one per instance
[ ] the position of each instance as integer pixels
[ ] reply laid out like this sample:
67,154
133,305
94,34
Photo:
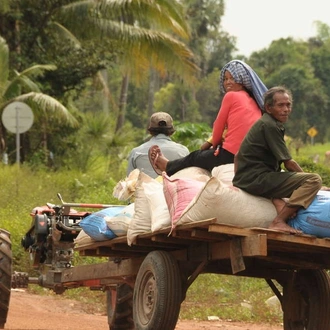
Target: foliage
302,67
208,96
179,99
192,135
22,88
121,31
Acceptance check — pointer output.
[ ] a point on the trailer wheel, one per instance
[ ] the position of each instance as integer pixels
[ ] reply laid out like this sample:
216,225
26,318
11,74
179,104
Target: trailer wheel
306,301
157,293
119,308
5,275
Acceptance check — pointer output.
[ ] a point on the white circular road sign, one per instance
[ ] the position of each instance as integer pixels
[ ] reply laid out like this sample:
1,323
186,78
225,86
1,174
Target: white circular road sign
17,117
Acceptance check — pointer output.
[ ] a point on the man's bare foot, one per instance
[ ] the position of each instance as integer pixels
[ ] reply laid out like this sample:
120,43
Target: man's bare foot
283,227
279,204
157,159
280,221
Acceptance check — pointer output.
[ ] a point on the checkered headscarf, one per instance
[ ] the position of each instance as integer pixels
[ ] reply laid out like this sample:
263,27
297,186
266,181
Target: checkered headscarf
243,74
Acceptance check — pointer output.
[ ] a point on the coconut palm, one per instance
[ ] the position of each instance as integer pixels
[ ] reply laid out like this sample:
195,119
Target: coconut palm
22,88
147,31
140,33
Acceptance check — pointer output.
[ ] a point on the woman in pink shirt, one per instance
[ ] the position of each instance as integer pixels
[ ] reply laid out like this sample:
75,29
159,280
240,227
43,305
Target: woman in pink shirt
241,107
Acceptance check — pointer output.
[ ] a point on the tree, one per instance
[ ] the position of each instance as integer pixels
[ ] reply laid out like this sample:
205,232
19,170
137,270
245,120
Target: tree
22,88
133,35
295,64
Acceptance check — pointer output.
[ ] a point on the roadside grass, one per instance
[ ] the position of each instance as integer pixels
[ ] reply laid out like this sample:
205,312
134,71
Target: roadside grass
311,152
223,296
230,298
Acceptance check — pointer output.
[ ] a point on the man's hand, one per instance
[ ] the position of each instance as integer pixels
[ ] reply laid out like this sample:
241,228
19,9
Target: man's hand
292,166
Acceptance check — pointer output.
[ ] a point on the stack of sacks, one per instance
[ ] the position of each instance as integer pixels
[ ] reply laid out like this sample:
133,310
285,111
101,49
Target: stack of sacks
193,173
217,198
179,193
229,205
151,212
125,189
315,220
224,173
83,239
108,223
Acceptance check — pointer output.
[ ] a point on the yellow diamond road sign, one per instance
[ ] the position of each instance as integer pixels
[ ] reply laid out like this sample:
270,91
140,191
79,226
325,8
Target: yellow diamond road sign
312,132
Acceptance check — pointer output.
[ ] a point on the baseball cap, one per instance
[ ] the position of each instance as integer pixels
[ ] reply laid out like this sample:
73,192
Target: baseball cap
161,119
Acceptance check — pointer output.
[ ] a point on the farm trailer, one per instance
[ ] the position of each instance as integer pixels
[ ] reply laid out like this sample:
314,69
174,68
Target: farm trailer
145,283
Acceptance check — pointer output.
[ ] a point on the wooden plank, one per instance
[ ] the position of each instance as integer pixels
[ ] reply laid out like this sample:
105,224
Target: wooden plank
229,230
252,246
185,234
207,236
108,252
170,240
155,244
196,224
167,230
98,271
303,239
294,262
95,245
236,256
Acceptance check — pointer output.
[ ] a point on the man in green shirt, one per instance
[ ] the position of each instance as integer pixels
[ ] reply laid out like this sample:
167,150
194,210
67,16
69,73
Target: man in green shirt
263,151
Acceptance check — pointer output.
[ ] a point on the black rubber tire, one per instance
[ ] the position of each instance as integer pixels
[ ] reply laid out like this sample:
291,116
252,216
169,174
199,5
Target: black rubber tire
5,275
157,293
306,306
120,308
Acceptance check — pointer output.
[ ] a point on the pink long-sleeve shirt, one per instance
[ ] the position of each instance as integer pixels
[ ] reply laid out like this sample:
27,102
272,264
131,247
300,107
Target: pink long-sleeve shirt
238,112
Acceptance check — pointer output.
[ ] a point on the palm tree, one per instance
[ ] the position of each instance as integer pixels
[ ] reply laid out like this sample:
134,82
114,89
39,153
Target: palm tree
146,31
22,88
145,34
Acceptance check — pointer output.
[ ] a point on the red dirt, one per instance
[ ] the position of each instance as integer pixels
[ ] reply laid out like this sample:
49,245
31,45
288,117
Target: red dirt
32,312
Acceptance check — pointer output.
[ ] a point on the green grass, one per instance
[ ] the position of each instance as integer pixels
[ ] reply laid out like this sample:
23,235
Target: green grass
311,152
230,298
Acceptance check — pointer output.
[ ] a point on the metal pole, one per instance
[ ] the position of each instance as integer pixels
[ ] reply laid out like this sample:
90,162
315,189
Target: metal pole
17,137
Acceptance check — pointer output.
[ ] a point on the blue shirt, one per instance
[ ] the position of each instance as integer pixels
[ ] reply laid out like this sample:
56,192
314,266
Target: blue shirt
139,158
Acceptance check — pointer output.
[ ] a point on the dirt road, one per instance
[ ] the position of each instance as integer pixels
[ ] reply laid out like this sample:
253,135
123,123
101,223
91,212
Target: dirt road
33,312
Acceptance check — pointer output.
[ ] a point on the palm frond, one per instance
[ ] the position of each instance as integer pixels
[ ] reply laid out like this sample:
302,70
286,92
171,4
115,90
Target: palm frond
141,43
44,104
37,70
4,64
165,14
19,83
64,33
146,32
22,82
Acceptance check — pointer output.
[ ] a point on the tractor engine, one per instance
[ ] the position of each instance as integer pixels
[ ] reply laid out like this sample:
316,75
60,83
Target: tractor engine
50,239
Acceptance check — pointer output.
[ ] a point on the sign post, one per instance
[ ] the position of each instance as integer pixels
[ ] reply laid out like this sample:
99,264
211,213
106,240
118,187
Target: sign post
17,117
312,132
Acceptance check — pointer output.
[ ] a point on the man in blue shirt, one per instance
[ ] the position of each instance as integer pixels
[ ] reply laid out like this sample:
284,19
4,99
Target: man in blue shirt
160,128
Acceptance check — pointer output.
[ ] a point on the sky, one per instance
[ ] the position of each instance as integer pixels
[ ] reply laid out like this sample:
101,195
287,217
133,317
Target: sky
256,23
